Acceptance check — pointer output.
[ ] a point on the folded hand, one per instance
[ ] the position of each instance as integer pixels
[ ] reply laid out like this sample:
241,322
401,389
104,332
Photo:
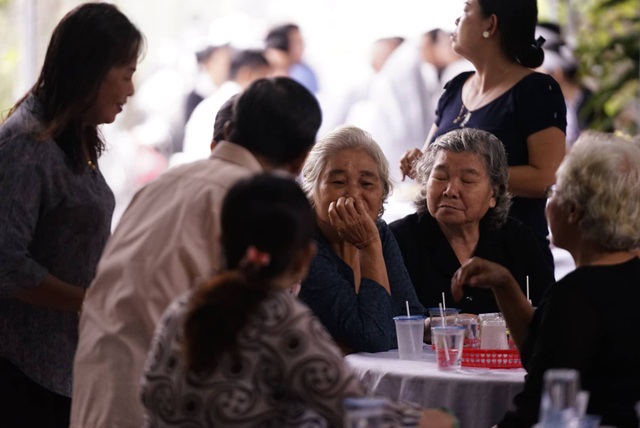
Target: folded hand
352,222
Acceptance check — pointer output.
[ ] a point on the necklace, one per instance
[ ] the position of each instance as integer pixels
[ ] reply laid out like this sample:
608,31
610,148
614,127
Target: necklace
464,115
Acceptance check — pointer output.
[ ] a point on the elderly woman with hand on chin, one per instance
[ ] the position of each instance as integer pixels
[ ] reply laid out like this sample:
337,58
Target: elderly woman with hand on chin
462,212
357,282
588,320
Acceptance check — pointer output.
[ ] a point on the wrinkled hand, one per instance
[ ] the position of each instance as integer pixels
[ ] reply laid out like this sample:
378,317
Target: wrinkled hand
352,222
407,161
478,272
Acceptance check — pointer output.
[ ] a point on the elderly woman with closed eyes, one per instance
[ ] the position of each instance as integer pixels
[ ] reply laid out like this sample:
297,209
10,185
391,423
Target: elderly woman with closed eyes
357,282
461,213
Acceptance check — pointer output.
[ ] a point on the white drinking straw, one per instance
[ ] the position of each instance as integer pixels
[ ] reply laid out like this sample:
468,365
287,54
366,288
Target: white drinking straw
444,341
444,304
413,344
528,299
444,324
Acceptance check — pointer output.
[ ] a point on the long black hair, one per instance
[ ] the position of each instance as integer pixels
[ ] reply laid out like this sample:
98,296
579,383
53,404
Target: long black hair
85,45
270,213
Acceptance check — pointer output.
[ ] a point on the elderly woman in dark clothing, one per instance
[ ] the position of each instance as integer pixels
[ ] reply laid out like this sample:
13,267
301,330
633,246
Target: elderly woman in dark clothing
462,213
357,282
56,207
588,320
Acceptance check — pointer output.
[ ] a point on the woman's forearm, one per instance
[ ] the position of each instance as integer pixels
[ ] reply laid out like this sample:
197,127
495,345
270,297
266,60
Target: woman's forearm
372,264
546,149
527,181
53,293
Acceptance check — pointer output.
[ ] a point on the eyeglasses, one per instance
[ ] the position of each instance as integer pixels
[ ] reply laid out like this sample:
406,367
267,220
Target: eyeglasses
551,190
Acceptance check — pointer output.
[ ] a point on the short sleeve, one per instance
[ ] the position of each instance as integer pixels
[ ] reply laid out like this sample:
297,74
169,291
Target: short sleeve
540,104
451,89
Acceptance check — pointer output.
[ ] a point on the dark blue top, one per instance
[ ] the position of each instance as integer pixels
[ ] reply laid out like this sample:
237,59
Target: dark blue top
362,322
52,221
588,321
531,105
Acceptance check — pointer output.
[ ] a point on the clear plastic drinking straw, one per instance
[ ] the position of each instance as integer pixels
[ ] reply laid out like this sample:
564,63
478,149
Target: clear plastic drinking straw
444,341
413,344
528,299
444,304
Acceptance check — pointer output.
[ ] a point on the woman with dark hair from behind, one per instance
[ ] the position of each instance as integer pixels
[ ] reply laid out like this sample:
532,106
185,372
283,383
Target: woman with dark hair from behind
243,333
56,207
503,96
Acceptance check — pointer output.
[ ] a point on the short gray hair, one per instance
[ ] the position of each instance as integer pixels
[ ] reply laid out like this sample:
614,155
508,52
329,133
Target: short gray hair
494,157
344,138
601,176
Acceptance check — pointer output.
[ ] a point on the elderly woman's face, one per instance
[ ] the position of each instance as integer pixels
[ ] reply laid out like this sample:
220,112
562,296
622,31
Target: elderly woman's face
459,192
351,173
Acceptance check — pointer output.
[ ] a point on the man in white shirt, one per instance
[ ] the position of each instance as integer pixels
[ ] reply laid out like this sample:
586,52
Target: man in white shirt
167,242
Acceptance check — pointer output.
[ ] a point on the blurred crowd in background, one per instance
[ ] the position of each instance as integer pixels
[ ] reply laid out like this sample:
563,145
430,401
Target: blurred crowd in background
374,64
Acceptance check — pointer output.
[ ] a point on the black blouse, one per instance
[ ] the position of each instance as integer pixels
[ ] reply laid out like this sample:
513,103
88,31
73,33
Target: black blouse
431,261
588,321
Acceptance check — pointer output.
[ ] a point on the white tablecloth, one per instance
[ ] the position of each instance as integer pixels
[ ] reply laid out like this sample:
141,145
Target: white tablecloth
478,397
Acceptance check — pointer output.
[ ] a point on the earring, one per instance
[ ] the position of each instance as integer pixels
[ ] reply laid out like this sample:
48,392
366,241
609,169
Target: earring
486,34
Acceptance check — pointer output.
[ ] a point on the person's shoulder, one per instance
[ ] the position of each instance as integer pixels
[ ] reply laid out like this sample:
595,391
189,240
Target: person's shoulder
383,229
458,81
286,299
405,224
512,224
598,273
21,148
174,313
280,307
23,125
514,233
536,81
323,249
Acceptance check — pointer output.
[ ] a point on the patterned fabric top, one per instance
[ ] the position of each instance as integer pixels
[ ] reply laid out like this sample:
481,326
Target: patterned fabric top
289,373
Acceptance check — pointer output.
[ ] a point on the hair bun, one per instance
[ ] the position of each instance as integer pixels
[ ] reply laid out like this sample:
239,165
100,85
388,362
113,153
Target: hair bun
532,55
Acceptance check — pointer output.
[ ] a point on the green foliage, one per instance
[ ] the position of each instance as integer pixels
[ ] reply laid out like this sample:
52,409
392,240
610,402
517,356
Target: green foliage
609,52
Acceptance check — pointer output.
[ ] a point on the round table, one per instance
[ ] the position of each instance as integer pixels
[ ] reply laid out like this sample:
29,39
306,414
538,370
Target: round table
478,397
